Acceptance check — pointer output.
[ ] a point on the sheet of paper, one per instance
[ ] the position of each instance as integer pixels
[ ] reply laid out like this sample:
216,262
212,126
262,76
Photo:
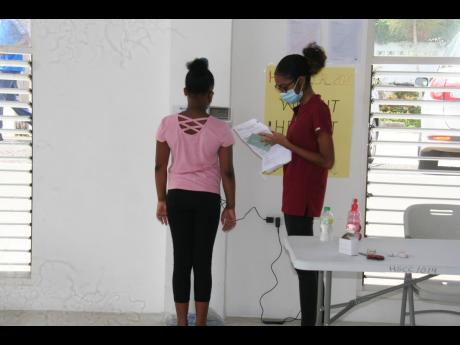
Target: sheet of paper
273,158
301,32
276,158
344,41
246,129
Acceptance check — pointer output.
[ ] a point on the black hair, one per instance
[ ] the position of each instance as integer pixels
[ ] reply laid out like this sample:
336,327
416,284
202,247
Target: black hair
310,63
199,79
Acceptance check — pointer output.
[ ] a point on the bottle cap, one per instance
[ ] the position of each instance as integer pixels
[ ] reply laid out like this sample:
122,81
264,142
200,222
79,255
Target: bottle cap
327,208
354,205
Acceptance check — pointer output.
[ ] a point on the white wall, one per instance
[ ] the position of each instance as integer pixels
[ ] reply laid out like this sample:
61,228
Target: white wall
192,38
100,90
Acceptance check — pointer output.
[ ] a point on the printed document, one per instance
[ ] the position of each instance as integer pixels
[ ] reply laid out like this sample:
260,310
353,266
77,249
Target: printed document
273,156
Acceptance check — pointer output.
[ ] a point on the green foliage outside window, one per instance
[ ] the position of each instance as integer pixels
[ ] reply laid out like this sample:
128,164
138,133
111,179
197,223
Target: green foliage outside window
403,109
416,30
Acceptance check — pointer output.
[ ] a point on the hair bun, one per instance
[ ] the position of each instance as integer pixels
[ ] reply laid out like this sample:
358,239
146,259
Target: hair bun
198,65
316,57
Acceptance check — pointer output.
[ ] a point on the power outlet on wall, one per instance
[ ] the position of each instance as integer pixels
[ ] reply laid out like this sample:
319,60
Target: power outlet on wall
276,220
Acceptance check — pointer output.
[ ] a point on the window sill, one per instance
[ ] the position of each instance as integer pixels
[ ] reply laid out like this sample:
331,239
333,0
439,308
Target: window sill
15,278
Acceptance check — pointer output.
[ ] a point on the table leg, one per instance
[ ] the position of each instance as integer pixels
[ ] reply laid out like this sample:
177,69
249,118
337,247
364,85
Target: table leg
327,298
402,320
320,299
410,291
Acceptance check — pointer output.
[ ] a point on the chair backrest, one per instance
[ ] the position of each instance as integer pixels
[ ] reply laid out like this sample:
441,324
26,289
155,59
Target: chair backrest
432,221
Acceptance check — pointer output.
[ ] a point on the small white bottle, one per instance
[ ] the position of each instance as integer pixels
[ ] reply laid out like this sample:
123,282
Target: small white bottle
326,221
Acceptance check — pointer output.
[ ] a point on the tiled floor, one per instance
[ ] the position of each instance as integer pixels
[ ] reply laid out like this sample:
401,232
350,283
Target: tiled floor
247,321
61,318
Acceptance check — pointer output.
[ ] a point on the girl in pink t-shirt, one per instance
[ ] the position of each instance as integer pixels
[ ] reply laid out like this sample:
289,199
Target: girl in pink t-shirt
200,147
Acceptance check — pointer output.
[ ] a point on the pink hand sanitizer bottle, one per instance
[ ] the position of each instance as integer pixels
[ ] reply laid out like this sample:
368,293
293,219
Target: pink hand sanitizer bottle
354,220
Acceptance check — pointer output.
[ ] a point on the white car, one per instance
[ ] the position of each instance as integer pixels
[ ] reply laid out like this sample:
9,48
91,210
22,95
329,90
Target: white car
446,141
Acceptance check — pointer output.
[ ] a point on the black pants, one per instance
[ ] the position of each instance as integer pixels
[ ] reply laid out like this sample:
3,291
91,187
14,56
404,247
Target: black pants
193,219
308,280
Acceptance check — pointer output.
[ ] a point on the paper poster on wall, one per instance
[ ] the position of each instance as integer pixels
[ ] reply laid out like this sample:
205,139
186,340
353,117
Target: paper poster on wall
336,87
301,32
344,37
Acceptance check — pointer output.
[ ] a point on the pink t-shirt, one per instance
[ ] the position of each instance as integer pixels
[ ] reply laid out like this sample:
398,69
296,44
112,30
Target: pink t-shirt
195,162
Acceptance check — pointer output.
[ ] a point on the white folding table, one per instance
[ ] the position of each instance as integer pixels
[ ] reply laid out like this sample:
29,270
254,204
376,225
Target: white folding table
430,257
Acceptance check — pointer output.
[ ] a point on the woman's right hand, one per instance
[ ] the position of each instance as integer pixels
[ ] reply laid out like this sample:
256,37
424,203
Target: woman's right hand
275,138
162,214
228,219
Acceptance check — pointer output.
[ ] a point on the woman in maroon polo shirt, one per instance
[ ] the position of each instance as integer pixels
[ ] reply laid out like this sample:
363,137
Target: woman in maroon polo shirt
309,137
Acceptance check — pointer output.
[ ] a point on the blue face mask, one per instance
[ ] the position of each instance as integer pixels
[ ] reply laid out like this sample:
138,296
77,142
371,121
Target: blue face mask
291,97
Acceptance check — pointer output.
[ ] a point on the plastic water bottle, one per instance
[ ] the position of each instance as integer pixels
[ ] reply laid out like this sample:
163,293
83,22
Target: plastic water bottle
326,220
354,220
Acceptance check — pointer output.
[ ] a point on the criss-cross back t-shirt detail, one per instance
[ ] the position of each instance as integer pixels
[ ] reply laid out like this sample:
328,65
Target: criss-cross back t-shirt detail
195,157
191,126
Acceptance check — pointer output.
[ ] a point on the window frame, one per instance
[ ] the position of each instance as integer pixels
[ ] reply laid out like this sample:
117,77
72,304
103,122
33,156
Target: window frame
371,60
20,277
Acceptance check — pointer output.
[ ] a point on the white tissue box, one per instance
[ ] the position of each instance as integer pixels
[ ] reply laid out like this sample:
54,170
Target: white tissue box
348,246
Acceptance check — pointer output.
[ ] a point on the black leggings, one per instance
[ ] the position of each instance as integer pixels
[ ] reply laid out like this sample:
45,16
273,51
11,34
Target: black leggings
193,219
308,280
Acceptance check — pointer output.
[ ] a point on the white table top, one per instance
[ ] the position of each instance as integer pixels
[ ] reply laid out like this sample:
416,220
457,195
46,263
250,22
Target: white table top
425,256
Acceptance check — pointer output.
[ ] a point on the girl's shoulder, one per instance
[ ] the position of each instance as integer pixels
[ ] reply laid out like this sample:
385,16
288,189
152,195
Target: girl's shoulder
218,123
323,105
169,119
317,104
219,127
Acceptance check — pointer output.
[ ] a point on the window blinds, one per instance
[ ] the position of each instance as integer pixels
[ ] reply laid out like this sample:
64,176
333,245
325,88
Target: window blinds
15,162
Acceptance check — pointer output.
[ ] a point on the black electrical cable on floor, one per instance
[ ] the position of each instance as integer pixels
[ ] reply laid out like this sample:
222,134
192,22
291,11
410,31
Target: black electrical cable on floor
287,319
276,284
292,318
276,278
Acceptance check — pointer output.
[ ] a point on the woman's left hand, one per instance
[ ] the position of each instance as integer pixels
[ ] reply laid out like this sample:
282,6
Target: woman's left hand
275,138
228,219
162,213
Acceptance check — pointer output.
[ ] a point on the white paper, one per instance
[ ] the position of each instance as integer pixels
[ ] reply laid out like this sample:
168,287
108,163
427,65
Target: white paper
345,38
301,32
272,159
276,158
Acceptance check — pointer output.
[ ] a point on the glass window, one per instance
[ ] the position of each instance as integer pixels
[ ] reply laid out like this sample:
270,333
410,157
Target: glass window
15,146
417,37
414,127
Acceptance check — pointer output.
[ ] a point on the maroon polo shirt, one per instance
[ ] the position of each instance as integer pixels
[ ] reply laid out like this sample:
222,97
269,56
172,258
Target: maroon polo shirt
304,183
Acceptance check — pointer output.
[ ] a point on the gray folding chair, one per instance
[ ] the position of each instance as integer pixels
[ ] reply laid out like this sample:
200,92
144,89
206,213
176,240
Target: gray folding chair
432,221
